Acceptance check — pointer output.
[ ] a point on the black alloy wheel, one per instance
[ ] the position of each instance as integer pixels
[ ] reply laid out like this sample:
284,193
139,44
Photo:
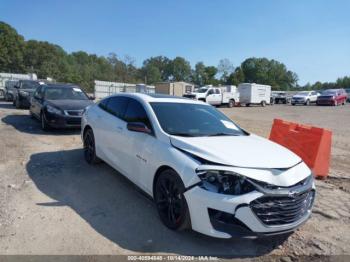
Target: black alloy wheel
89,148
170,201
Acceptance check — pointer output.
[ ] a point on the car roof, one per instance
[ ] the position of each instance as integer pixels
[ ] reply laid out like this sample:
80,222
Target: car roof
62,85
160,98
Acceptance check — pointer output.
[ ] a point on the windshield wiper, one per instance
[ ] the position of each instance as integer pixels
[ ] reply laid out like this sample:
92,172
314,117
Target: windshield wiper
182,134
222,134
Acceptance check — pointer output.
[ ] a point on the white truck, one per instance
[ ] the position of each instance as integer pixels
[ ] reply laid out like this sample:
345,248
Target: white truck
223,95
251,93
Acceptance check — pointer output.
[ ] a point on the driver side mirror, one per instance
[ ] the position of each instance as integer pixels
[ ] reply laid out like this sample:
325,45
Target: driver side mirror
91,98
138,127
16,86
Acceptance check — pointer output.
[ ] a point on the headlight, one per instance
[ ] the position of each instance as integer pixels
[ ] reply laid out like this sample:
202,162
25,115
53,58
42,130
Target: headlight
24,93
53,110
224,182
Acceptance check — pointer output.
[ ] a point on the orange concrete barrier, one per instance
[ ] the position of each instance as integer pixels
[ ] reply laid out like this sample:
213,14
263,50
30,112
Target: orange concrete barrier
312,144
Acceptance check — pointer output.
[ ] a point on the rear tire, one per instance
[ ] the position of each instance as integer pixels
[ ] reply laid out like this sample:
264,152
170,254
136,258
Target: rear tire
263,103
247,105
89,148
231,103
170,201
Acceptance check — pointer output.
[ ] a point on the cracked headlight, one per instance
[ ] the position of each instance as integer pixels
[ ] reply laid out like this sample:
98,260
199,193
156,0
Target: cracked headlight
224,182
53,110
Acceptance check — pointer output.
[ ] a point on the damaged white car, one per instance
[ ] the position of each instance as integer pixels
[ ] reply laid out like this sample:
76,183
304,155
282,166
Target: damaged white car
202,170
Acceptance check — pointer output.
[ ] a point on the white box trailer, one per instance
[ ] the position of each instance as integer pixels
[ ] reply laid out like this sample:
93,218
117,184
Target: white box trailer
251,93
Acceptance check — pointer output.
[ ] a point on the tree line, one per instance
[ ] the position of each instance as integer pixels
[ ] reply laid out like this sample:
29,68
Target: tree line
49,60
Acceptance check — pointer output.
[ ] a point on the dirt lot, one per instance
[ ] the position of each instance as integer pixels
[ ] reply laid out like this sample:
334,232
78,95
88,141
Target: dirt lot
52,202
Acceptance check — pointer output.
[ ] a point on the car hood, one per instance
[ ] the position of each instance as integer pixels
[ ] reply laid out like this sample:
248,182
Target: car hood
240,151
68,104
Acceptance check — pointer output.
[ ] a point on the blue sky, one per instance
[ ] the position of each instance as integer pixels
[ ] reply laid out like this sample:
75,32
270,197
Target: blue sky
312,37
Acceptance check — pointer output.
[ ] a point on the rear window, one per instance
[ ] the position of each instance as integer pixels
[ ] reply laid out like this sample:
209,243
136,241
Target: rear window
29,85
116,106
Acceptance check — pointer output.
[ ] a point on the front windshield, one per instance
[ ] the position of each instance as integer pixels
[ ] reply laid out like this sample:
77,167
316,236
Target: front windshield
302,93
202,90
60,93
191,120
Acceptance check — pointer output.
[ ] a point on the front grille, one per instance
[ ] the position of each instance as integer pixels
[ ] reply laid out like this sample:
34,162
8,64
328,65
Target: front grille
281,210
73,121
74,112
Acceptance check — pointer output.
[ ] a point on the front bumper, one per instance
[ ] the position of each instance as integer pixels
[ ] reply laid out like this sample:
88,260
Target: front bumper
298,101
226,216
327,102
63,121
24,100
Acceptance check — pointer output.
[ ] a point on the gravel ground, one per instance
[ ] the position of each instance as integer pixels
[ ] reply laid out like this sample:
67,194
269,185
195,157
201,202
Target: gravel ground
52,202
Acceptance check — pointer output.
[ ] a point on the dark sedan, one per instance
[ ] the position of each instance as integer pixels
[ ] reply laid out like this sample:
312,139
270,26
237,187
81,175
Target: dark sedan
59,105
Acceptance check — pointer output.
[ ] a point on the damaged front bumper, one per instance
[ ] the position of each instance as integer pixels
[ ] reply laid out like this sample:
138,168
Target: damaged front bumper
262,212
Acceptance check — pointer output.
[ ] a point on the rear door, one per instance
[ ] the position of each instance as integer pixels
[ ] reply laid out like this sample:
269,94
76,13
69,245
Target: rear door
110,129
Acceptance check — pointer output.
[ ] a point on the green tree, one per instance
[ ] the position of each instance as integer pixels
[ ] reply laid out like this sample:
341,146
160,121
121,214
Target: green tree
199,75
11,49
162,63
211,72
180,69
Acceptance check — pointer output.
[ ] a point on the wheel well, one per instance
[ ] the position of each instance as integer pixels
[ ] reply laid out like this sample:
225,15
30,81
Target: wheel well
158,172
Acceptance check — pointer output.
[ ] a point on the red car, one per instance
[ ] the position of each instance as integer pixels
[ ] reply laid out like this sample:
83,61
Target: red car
332,97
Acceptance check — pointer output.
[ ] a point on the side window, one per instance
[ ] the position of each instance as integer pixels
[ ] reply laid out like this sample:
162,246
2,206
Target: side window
117,105
135,112
211,91
217,91
103,104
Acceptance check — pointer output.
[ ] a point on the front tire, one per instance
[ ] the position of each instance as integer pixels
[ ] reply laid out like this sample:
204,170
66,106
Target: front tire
307,103
170,201
89,148
18,104
44,125
263,103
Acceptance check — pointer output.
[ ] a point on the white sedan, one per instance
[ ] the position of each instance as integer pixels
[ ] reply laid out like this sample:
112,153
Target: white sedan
203,171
